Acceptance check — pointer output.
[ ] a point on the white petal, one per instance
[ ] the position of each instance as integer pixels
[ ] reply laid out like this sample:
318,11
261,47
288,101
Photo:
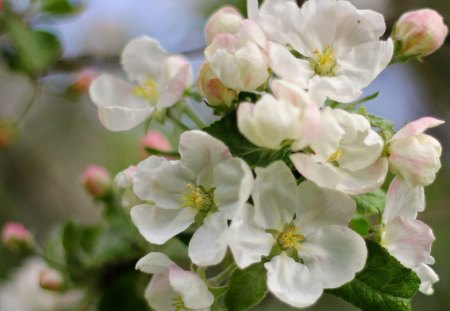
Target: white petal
364,180
292,282
159,293
154,263
201,152
427,277
288,67
118,109
233,180
269,122
408,240
193,290
143,59
417,127
158,225
274,196
339,88
334,254
318,207
364,62
179,77
208,245
162,181
327,175
247,240
401,200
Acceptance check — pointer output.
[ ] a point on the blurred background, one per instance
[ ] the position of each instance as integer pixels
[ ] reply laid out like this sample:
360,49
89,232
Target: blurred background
60,134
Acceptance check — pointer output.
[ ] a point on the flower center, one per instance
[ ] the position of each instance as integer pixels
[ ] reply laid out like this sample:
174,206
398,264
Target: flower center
324,62
290,239
178,304
335,156
147,90
197,197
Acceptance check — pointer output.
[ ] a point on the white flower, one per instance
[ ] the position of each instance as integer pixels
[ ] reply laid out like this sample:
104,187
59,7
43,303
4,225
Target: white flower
270,17
206,186
406,238
172,288
346,155
157,81
290,116
225,20
340,48
23,292
124,181
240,60
306,222
413,155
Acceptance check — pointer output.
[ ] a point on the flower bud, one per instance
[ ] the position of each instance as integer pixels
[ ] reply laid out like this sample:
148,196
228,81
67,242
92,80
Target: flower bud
83,80
15,236
224,20
419,33
51,279
229,57
96,181
153,140
413,155
216,93
8,133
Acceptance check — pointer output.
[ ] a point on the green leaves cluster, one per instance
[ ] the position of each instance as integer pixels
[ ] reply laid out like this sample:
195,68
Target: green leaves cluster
384,284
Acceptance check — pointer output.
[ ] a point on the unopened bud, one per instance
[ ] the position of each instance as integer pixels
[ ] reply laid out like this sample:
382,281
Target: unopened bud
153,140
419,33
96,181
51,279
16,237
216,93
225,20
8,133
83,80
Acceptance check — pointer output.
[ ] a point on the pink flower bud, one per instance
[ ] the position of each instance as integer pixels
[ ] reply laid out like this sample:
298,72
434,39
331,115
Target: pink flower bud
420,33
15,236
8,133
51,279
216,93
83,80
154,140
224,20
96,181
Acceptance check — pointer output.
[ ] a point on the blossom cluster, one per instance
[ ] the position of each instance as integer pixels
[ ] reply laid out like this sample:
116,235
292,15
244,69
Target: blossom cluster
292,77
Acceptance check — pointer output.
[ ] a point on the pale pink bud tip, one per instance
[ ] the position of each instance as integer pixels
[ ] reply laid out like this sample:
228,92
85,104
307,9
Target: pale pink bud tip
51,279
15,236
83,80
224,20
420,32
96,181
154,140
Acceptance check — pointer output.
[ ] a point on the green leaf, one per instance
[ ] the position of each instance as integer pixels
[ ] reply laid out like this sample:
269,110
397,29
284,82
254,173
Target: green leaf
59,7
386,127
247,288
360,225
384,284
34,51
370,203
227,131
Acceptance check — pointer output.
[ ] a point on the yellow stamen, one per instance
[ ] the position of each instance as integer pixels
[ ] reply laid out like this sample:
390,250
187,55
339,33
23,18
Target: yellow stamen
289,238
198,198
335,156
324,63
147,90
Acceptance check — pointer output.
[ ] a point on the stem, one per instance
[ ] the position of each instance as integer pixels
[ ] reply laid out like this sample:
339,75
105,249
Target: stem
222,276
179,123
173,154
191,114
38,252
31,101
